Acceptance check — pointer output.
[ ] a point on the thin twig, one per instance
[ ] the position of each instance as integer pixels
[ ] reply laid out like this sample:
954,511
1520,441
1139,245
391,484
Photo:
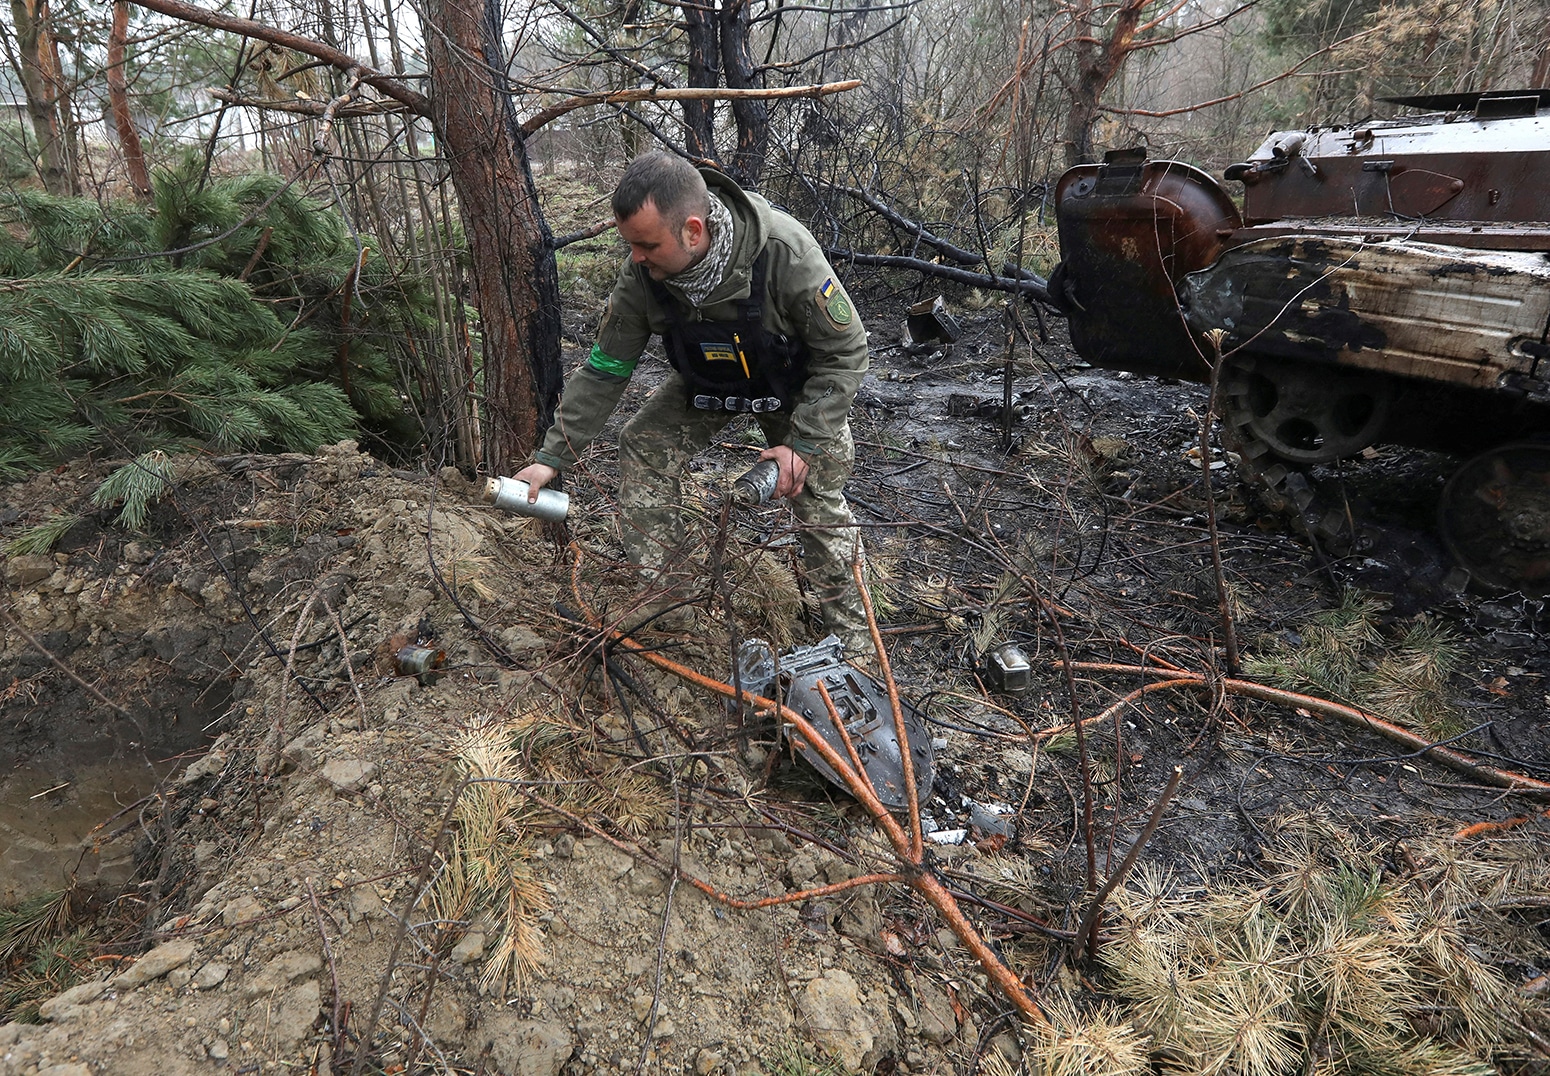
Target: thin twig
1087,930
1223,602
692,93
333,971
416,892
1423,748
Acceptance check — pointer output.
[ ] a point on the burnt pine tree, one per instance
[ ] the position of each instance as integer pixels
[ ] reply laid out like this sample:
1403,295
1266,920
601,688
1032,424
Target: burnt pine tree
509,242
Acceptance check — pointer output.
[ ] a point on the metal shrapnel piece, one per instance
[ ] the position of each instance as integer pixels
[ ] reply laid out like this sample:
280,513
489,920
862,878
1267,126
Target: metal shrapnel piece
929,322
756,667
862,705
418,660
510,495
992,819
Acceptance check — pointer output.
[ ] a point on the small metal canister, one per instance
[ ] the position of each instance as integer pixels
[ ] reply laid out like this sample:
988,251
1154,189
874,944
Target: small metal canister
757,484
418,660
510,494
1008,670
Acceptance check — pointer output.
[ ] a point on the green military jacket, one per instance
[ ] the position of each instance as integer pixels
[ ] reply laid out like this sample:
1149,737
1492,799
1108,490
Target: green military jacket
803,299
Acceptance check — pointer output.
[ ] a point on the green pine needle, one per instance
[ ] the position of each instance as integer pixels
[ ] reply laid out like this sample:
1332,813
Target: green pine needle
1344,655
36,541
137,486
128,351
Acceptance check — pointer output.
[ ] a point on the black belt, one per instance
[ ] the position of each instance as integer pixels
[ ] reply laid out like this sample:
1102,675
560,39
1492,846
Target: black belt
758,405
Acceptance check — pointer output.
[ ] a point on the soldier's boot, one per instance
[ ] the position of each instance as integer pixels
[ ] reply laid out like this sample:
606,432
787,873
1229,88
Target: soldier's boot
828,556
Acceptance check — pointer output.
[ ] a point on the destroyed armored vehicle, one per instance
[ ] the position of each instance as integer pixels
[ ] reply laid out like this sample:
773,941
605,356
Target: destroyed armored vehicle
1383,283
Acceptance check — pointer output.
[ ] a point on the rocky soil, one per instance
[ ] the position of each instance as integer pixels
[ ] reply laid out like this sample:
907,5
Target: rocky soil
266,889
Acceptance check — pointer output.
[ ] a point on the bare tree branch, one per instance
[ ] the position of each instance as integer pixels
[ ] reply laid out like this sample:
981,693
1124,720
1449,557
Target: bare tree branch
1288,73
1156,42
177,9
693,93
589,232
1031,285
306,108
894,217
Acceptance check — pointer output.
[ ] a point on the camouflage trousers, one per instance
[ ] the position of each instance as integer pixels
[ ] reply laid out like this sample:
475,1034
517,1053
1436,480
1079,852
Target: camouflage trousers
656,445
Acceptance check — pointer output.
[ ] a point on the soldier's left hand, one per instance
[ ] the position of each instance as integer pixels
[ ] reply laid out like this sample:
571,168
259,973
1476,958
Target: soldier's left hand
793,470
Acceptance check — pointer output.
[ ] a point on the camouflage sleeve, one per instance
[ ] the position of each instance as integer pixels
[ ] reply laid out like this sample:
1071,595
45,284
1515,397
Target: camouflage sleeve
590,396
593,391
816,303
624,330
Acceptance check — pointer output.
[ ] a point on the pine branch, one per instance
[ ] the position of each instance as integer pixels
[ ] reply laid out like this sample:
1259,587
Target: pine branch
137,485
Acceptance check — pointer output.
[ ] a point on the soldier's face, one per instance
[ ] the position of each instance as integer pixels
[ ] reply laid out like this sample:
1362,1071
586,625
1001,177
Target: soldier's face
654,244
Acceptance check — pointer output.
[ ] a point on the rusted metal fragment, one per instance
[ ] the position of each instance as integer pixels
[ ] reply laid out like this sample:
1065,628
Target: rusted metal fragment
1474,318
1130,229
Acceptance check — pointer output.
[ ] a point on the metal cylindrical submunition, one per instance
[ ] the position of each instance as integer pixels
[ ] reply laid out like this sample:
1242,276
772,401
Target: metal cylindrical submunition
757,484
510,494
415,660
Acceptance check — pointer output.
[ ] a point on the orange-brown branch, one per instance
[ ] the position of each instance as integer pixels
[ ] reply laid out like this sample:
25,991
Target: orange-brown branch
1351,715
907,847
907,761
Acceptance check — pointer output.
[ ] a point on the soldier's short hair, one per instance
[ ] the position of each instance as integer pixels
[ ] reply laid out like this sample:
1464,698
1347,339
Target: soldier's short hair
672,184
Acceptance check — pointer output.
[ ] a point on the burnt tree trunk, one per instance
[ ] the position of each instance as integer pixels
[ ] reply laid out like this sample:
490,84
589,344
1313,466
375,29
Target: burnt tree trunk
118,96
631,138
509,243
704,63
1542,60
30,19
752,115
1097,62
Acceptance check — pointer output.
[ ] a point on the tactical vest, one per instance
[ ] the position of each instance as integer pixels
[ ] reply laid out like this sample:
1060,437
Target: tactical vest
733,365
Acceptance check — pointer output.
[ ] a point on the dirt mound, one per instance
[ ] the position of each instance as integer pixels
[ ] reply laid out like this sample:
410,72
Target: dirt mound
299,837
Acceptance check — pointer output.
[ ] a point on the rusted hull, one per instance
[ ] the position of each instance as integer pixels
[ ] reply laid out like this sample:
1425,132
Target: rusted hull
1469,318
1441,168
1130,230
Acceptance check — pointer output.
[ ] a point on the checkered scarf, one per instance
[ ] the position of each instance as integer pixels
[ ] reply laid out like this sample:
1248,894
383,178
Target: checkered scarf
698,281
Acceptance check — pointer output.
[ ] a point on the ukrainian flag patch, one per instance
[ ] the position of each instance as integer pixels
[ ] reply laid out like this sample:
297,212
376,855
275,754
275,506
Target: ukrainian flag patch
834,304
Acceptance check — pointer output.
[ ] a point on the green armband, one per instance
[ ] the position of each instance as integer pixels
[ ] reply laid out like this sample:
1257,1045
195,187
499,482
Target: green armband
607,364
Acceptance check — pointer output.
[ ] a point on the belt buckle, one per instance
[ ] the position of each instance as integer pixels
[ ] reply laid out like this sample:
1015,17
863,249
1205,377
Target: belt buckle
706,403
764,404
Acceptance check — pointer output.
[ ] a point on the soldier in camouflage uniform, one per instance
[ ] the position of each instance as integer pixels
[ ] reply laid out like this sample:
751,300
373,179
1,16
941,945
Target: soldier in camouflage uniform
753,320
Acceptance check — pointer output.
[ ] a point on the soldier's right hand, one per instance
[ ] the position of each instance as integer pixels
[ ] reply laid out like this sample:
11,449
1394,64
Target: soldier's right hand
537,476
